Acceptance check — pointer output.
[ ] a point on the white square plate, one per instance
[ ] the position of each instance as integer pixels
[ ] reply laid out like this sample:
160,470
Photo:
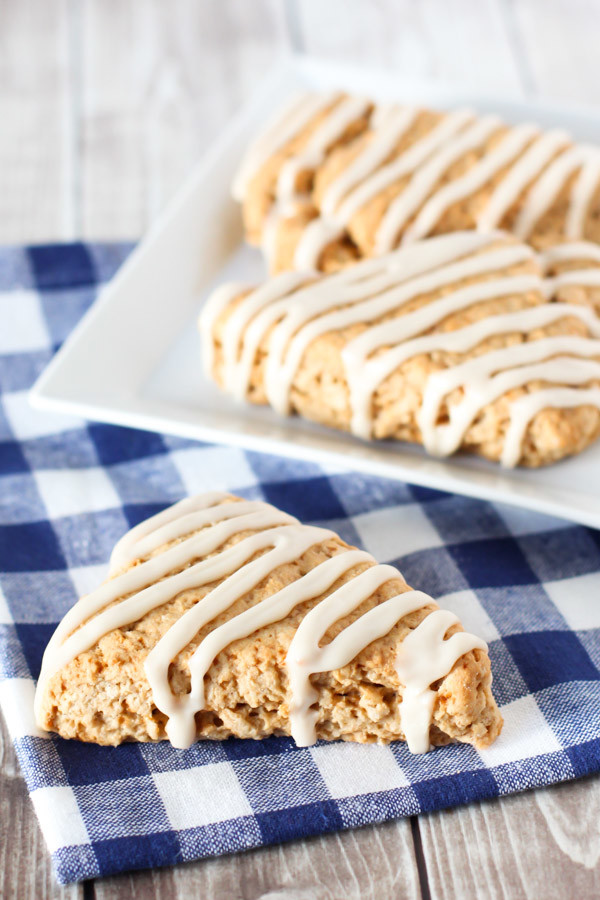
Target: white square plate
134,358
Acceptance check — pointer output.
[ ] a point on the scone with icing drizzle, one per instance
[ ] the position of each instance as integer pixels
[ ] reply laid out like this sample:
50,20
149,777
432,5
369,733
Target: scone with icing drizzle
334,178
227,617
466,340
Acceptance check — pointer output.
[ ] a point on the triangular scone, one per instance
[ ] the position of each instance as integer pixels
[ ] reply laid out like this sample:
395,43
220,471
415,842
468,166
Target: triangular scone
285,156
457,341
227,617
334,177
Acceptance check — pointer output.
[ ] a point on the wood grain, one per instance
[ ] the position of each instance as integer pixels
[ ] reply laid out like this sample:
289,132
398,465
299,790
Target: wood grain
543,843
36,151
368,864
25,866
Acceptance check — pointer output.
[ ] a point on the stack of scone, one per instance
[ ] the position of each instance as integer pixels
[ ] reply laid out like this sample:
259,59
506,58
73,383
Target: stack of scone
226,617
335,178
441,328
436,280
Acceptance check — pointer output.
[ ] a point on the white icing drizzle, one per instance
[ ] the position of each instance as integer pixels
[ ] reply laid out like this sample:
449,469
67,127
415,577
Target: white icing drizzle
425,179
525,408
305,657
389,129
581,197
538,166
278,287
275,608
150,534
315,238
366,279
325,229
418,698
277,214
270,230
237,368
481,386
525,170
511,145
545,190
580,250
287,200
371,290
292,336
295,116
94,616
400,331
403,165
280,539
332,129
573,278
382,112
216,304
288,543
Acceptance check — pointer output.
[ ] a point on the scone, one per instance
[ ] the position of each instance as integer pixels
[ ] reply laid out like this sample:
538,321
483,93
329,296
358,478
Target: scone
226,617
362,183
282,161
458,341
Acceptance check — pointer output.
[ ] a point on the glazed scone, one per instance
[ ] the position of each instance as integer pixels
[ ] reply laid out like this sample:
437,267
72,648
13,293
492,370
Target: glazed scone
405,173
279,167
226,617
457,341
283,239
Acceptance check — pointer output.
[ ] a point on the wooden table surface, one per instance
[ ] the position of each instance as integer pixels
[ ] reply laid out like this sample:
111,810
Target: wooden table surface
104,107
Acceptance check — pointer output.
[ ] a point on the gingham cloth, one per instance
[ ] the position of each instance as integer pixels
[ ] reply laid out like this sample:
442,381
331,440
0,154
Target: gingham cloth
527,584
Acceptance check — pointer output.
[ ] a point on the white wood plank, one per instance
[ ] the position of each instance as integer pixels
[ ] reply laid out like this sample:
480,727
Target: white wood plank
25,867
35,138
455,40
543,843
369,864
159,83
559,39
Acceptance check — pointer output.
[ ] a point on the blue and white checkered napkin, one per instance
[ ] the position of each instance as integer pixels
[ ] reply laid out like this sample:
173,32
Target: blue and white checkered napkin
527,584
